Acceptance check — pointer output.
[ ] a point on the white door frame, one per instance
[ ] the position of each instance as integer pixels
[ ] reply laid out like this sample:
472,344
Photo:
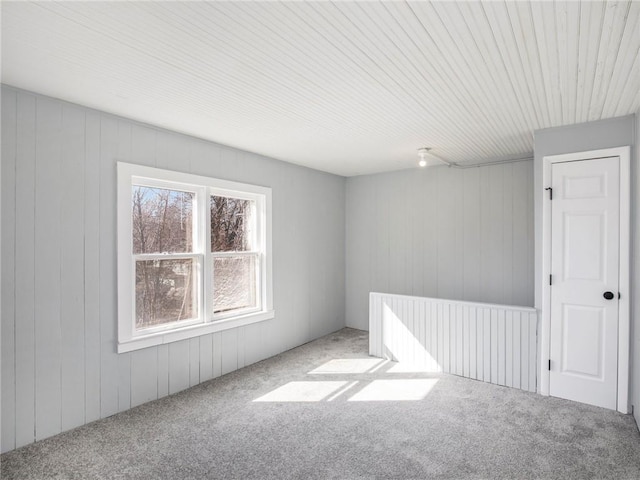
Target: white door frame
624,153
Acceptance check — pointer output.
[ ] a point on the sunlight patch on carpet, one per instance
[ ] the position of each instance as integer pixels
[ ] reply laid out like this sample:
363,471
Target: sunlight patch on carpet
302,392
395,390
348,365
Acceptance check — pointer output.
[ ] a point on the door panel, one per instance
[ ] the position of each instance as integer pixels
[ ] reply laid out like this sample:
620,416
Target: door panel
585,215
585,357
585,186
583,259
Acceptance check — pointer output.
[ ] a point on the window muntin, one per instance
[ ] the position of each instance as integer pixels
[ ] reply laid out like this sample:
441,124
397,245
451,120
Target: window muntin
193,255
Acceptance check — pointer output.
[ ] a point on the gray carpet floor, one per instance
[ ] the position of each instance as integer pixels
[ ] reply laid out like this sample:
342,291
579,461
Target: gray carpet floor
327,410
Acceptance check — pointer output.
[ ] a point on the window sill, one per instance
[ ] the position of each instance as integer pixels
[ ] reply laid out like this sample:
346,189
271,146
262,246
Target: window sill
192,331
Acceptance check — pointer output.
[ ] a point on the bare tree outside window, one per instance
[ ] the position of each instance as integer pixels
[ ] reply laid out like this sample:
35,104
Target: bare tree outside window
234,276
164,292
162,220
230,224
162,223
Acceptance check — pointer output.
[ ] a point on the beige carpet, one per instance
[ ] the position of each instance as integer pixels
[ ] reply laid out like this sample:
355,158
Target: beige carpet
327,410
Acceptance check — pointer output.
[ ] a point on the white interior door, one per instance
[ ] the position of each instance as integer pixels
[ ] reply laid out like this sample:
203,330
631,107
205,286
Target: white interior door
585,229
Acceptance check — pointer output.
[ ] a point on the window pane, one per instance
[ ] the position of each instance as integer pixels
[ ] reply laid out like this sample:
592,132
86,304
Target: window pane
164,292
162,220
231,224
234,283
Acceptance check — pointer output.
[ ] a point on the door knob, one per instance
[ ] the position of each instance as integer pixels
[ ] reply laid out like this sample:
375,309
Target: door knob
608,295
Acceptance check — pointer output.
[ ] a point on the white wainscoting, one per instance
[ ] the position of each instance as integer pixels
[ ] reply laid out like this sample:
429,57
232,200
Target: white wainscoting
491,343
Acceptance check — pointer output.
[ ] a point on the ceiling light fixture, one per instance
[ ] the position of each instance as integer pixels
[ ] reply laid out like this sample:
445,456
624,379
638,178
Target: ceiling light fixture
422,153
436,160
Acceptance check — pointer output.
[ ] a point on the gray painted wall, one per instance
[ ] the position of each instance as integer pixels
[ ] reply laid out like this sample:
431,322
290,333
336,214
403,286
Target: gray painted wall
440,232
614,132
59,363
635,273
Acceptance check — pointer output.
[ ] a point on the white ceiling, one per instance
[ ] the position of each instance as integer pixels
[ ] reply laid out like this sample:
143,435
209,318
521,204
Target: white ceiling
346,87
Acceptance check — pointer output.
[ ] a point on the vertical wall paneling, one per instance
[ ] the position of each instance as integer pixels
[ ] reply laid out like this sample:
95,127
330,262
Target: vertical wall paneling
47,272
8,192
494,346
522,230
229,350
446,227
282,229
241,347
126,149
530,278
300,302
12,443
502,347
194,361
473,340
486,327
466,344
179,374
381,237
72,267
493,244
425,321
476,320
508,336
635,273
315,280
144,376
163,370
459,341
108,356
440,338
417,229
524,358
533,343
141,142
253,344
24,276
60,368
517,349
172,151
431,279
217,354
508,231
91,234
434,338
206,357
124,381
395,203
440,232
410,316
373,332
471,253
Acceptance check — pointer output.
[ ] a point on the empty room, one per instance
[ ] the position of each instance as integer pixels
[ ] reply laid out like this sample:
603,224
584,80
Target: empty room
320,240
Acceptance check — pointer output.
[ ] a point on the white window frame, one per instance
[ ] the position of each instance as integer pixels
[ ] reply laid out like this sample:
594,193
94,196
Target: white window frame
207,322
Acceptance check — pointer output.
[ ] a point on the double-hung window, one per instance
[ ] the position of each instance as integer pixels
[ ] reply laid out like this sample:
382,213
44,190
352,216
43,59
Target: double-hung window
194,255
